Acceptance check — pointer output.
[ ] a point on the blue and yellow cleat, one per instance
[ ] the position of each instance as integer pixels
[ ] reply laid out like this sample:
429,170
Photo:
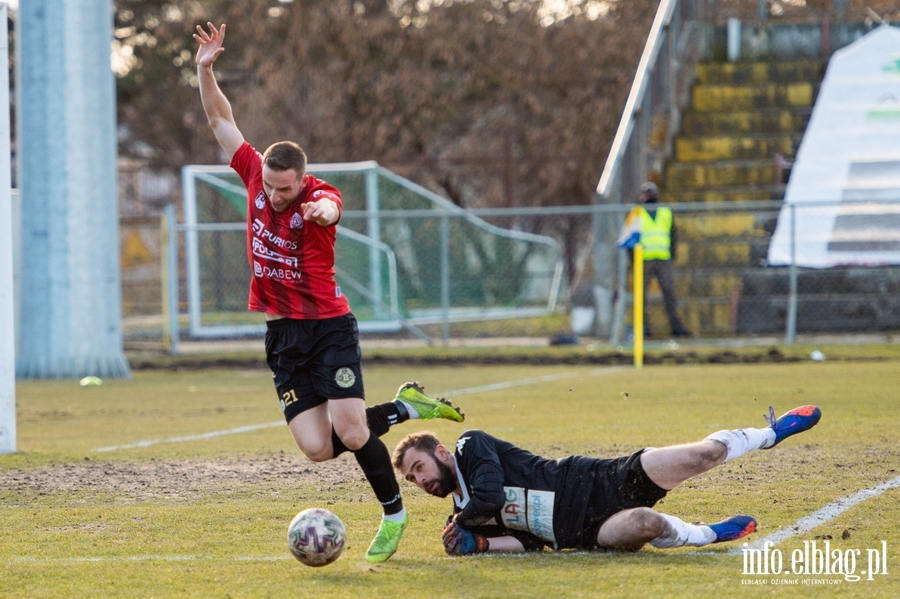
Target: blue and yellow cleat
793,422
731,529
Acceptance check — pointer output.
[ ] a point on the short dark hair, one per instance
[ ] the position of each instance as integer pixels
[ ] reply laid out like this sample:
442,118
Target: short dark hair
422,441
284,155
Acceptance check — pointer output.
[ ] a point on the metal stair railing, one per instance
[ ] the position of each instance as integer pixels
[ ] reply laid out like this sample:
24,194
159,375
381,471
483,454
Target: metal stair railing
678,40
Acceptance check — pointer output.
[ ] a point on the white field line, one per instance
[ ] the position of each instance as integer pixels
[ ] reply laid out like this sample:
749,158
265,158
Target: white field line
821,516
550,378
209,435
453,393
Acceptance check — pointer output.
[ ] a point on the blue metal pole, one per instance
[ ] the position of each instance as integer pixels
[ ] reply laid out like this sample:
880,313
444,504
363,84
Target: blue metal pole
72,322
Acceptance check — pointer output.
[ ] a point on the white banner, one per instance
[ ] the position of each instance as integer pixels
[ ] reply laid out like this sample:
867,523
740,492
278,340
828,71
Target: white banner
849,158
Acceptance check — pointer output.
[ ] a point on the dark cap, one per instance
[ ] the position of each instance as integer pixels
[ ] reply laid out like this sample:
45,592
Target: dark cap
651,188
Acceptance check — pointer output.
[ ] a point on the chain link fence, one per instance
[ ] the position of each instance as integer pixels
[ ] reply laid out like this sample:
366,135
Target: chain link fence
725,286
411,259
405,257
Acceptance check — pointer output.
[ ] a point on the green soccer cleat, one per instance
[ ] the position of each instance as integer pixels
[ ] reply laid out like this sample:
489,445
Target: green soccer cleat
413,395
387,540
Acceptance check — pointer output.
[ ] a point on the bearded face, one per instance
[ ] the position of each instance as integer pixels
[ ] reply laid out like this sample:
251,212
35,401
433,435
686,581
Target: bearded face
445,483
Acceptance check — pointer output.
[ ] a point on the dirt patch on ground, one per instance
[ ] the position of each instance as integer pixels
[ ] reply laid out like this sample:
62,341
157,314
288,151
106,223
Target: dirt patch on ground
140,481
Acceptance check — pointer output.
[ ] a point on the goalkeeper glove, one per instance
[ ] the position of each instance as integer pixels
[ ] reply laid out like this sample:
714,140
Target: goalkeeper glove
459,541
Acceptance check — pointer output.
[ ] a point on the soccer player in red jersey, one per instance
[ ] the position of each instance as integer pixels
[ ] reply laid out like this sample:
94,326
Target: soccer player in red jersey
312,338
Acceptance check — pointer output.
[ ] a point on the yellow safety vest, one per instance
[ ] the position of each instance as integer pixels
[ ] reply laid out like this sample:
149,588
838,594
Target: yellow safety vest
656,234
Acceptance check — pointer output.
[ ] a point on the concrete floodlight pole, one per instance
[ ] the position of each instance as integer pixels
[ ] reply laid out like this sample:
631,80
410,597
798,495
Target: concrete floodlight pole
70,313
7,307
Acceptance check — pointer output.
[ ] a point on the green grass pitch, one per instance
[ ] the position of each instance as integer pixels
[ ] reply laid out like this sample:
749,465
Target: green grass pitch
185,516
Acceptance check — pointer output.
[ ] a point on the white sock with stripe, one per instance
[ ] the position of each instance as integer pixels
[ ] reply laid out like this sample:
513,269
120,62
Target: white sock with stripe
409,409
679,533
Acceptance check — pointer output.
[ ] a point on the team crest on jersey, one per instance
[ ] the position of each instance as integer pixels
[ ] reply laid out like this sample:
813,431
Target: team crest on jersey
296,221
344,377
260,200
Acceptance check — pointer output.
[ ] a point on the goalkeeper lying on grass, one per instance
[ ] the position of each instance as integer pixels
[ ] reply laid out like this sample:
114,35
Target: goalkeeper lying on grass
507,499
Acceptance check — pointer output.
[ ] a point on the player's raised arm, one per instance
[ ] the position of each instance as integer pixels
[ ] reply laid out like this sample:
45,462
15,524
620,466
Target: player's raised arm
215,104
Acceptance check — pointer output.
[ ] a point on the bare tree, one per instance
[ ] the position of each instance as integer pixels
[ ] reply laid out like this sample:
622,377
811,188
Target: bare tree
478,100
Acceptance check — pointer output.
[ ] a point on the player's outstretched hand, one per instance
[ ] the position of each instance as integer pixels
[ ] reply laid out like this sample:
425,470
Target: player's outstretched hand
322,212
459,541
210,44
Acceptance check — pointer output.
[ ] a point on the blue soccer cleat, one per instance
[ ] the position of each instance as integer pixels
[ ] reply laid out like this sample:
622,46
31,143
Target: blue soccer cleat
731,529
793,422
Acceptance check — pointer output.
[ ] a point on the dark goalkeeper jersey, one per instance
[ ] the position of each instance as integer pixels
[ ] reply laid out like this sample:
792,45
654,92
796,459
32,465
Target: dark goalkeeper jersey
519,491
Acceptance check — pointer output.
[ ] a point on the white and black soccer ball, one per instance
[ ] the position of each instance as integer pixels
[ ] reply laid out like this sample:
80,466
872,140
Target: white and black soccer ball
316,537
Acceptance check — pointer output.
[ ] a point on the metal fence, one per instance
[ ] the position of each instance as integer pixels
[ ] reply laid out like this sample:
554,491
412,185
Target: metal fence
142,253
679,38
725,287
406,257
683,33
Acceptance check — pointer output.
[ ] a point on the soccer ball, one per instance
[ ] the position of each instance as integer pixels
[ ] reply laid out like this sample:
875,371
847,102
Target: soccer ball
316,537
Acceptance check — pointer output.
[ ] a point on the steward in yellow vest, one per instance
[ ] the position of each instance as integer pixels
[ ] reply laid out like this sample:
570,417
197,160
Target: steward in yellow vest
658,240
656,233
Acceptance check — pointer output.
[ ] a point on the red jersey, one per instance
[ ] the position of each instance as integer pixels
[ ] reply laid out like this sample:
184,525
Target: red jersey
292,260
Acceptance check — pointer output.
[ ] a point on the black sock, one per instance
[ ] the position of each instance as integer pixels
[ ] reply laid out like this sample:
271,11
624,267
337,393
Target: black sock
375,461
380,419
337,445
383,416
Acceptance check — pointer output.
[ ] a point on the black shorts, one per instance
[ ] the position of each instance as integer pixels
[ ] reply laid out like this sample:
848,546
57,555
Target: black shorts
313,361
620,484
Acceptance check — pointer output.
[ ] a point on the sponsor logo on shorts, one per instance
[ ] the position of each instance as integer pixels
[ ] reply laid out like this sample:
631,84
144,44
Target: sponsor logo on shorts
344,377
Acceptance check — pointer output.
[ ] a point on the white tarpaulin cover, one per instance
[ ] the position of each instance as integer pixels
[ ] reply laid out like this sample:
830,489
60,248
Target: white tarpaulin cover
849,153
